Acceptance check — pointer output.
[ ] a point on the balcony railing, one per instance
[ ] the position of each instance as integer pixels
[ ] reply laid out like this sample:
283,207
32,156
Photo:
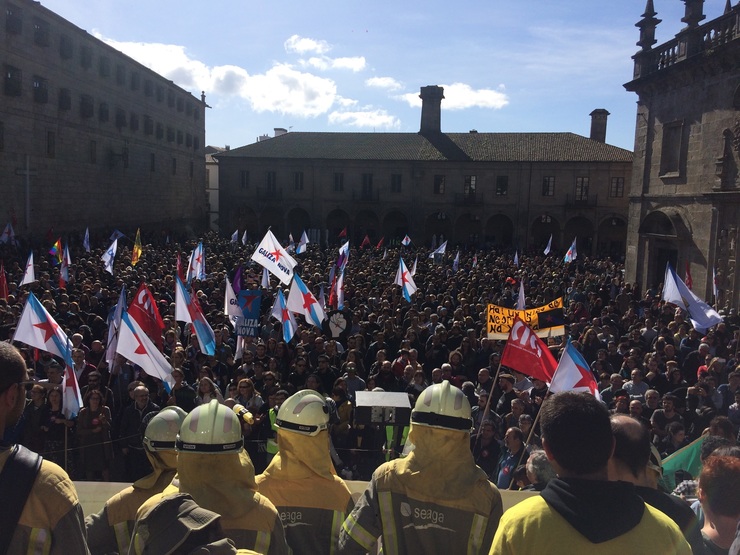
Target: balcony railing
468,199
572,200
366,196
270,194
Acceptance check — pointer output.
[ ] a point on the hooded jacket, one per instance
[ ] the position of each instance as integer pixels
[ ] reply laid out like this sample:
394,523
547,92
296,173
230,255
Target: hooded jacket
311,499
110,530
436,500
587,516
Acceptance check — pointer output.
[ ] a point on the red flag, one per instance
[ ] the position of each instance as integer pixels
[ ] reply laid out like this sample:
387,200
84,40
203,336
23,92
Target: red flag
144,310
333,292
689,282
365,242
3,282
343,233
380,243
527,353
180,271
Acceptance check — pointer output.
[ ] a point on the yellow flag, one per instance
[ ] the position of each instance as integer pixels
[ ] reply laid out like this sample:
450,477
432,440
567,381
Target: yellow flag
136,253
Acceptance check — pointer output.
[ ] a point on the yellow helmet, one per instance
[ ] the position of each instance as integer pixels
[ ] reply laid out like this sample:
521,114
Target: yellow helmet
304,413
162,429
443,406
211,428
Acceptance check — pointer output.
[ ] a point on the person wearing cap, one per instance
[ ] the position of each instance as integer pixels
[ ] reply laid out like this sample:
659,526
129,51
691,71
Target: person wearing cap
178,525
110,530
301,481
182,394
210,447
435,500
636,461
506,384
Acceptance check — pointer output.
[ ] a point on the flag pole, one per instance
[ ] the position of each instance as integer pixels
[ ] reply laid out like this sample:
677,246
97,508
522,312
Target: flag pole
66,430
487,408
529,438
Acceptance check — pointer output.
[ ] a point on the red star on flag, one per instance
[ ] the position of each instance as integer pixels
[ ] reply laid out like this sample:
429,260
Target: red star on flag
404,277
276,254
307,300
140,350
49,329
587,379
286,315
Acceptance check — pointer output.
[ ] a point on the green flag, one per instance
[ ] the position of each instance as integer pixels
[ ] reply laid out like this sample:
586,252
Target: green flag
686,459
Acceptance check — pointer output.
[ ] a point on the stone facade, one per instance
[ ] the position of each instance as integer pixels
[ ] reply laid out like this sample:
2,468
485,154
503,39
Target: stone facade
109,143
684,206
482,189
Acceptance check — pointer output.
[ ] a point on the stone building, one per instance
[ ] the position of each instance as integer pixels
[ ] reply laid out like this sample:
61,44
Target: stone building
483,189
684,205
106,141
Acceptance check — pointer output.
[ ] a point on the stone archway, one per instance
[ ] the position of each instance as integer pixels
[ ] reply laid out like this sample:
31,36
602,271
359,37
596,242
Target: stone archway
499,231
336,221
298,221
582,229
367,223
437,228
467,230
612,237
544,227
395,226
273,219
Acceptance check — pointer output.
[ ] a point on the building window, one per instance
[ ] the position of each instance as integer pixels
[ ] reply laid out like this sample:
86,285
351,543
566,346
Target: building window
124,157
170,135
469,186
93,152
104,66
196,115
616,189
86,106
13,81
160,93
41,32
160,131
196,143
502,185
174,166
179,137
244,179
120,75
439,184
188,109
135,81
171,99
40,90
338,182
367,185
670,156
103,112
191,169
148,87
581,189
66,49
13,20
271,181
548,186
298,181
51,144
396,182
180,105
188,140
133,122
152,162
85,57
148,125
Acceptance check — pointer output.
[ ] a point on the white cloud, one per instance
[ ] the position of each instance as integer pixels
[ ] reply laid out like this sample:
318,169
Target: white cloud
345,102
303,45
324,63
388,83
319,63
459,96
366,118
288,91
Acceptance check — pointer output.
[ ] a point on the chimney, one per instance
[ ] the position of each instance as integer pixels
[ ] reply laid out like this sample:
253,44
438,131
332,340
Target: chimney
431,109
598,124
279,131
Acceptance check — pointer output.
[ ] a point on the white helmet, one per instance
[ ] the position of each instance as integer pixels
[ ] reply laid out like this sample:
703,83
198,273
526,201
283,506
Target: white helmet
211,428
443,406
162,429
304,413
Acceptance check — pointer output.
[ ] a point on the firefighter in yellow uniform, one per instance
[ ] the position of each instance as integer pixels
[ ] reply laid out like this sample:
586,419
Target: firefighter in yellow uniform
301,481
214,469
435,500
110,530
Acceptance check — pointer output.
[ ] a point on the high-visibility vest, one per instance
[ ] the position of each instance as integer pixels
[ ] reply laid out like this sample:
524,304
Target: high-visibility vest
272,446
389,446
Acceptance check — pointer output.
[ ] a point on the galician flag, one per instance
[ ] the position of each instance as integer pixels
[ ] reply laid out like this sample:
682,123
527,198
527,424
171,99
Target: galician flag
197,264
456,262
302,301
86,240
114,325
548,248
8,235
29,276
405,280
134,345
38,329
439,250
571,254
574,374
231,304
281,313
413,268
675,291
271,255
406,241
235,236
187,309
302,244
109,256
244,238
265,279
64,268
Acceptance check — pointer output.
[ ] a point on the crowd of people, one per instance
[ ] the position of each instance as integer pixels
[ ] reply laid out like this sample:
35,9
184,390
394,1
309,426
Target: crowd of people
677,382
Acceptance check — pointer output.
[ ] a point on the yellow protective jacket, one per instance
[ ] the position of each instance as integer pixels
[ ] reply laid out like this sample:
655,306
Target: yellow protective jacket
110,530
52,520
311,499
225,484
436,500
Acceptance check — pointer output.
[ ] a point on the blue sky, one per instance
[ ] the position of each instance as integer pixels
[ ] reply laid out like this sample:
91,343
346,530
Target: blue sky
343,65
